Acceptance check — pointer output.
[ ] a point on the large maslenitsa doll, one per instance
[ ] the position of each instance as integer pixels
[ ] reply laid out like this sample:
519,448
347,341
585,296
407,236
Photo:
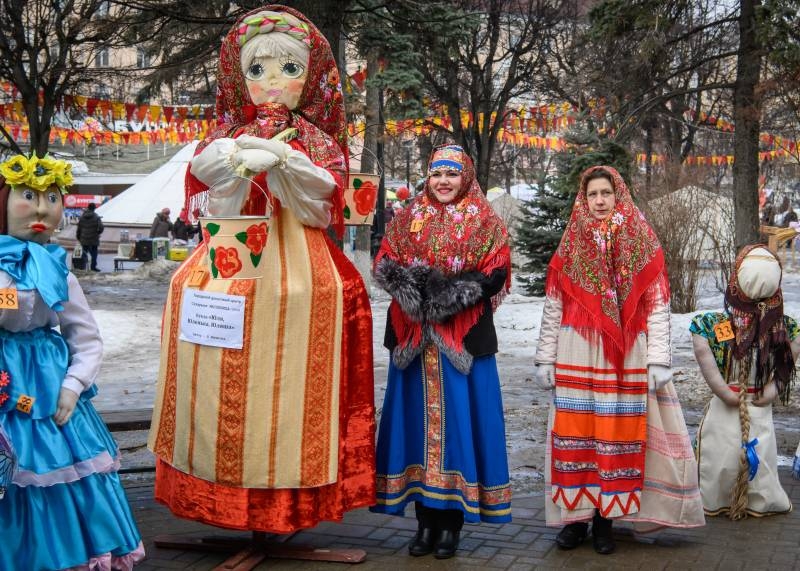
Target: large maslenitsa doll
277,434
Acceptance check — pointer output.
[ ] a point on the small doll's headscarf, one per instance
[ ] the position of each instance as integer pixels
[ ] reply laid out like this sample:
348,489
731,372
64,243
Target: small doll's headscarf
760,332
609,273
319,116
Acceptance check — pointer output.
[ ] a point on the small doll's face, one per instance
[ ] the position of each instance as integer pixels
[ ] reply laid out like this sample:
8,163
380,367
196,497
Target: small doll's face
34,215
276,80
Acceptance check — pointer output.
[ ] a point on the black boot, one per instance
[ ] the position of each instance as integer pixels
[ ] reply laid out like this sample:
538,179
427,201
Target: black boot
427,531
572,535
447,544
602,538
423,542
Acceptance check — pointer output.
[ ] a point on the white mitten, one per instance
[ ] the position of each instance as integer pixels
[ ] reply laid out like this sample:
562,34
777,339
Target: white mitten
658,376
255,160
277,148
213,164
546,375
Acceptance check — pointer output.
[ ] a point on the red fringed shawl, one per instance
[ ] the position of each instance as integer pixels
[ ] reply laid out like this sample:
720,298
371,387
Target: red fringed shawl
464,235
608,274
319,117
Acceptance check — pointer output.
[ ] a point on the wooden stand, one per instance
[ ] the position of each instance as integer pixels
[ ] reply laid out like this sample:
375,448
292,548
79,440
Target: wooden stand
251,552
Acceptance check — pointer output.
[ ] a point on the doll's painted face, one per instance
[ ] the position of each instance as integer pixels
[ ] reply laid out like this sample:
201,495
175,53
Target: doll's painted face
34,215
278,79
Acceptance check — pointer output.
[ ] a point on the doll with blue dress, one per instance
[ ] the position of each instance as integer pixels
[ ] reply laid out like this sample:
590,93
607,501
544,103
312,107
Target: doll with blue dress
64,506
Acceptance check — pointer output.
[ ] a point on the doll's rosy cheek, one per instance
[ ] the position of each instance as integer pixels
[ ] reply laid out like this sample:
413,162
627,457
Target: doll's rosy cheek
295,86
254,88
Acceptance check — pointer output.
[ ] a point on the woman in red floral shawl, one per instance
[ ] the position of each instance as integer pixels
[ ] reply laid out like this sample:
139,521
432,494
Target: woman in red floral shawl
445,260
278,435
617,442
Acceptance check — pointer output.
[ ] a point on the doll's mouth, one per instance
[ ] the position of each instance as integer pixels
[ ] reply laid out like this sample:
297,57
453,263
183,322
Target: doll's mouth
38,227
274,92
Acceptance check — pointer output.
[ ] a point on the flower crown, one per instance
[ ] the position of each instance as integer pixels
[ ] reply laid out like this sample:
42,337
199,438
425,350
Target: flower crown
37,173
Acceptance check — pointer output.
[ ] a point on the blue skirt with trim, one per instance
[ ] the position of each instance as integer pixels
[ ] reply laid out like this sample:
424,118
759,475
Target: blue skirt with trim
442,442
66,504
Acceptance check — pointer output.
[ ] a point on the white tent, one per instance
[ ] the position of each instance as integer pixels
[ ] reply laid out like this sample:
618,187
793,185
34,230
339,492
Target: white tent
164,187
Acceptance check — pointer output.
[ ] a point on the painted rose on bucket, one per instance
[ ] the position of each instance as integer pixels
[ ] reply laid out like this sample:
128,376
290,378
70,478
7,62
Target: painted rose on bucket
365,195
256,238
227,262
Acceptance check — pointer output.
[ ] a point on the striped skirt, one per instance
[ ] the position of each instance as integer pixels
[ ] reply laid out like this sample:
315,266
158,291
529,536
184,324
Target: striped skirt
613,445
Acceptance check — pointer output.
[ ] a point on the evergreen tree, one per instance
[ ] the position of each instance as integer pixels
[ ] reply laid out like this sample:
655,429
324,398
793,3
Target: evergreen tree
543,219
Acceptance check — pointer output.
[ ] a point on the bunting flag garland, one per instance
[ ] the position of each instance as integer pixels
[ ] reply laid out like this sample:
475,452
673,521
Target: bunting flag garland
532,126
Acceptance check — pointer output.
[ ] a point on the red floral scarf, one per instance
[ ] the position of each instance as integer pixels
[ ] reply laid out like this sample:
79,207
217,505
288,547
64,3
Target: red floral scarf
760,332
608,274
319,116
464,235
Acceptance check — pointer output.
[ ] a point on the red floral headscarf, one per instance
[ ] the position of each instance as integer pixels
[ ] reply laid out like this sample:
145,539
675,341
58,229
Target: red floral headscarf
608,273
464,235
319,116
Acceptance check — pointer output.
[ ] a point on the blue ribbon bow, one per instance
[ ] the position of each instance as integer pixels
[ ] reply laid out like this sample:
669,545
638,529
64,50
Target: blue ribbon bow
752,457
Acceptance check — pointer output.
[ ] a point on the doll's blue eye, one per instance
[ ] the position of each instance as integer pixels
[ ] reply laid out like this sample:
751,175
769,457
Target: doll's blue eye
52,197
27,194
255,71
292,69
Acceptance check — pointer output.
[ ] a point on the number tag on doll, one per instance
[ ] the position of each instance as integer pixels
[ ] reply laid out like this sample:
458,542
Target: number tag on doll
198,277
8,298
724,331
416,224
25,403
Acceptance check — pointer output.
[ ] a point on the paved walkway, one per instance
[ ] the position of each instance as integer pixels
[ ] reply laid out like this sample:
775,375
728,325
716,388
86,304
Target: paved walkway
753,544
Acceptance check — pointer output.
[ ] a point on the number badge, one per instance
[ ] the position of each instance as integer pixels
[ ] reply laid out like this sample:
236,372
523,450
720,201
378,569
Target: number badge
198,277
724,331
25,403
8,298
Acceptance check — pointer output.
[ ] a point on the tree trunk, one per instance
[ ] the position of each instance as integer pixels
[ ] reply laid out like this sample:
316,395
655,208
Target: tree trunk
370,117
328,16
747,118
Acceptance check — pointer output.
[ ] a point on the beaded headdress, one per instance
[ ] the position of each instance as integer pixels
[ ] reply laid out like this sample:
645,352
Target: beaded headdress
450,157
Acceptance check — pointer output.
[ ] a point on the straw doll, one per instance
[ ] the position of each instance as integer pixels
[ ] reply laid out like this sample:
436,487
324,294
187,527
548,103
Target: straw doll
747,355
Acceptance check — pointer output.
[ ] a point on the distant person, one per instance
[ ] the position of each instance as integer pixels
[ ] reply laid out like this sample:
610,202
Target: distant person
388,212
789,217
162,226
90,226
182,229
768,213
196,214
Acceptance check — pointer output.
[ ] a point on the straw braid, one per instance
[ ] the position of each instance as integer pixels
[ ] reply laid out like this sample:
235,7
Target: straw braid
266,22
739,496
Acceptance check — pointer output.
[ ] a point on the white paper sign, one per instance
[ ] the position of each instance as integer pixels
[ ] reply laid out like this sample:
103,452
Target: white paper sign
210,318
